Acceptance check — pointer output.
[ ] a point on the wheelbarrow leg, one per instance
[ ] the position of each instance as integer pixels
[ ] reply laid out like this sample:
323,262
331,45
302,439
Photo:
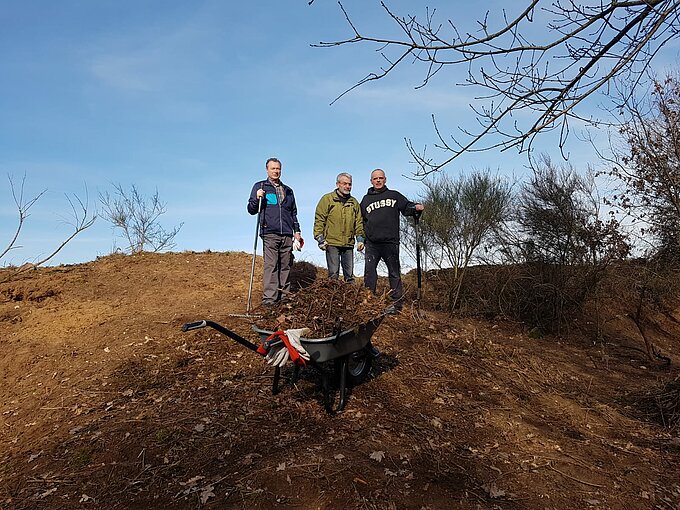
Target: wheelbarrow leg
343,384
296,374
275,384
328,391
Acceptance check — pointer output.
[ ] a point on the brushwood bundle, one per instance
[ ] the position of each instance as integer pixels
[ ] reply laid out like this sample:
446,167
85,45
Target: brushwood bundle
324,307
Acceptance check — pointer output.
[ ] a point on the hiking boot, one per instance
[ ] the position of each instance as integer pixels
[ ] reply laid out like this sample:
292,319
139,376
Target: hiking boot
392,310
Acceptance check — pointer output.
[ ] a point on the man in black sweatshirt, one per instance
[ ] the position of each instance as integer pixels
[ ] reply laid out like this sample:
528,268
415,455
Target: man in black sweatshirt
380,210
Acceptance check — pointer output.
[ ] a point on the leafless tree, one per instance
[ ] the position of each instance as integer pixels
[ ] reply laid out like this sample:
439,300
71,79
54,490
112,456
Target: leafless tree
561,242
23,206
646,163
543,60
137,217
80,219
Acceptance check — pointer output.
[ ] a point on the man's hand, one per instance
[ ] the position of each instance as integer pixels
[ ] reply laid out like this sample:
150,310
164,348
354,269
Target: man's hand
323,244
360,243
260,193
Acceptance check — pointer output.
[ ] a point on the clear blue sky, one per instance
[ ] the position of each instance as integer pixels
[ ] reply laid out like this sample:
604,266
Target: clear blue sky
190,98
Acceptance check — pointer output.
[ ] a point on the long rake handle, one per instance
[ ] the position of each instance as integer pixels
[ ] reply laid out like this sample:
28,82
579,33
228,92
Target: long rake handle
418,270
252,267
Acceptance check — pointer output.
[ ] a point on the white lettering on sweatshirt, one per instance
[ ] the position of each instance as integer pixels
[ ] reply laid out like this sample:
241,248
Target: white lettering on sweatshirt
386,202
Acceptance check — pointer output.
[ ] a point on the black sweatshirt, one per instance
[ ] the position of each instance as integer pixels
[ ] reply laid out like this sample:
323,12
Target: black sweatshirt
380,211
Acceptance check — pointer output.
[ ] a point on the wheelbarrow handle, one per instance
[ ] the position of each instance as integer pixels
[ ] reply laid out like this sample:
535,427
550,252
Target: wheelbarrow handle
189,326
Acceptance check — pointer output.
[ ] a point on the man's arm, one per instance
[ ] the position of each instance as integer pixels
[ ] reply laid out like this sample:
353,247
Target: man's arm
407,207
293,212
358,222
253,202
320,217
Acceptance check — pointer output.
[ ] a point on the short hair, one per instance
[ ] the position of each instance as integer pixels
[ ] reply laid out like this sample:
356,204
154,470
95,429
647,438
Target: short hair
343,174
377,170
272,160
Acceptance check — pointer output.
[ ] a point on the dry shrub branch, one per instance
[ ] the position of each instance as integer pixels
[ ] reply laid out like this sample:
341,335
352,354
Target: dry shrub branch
325,307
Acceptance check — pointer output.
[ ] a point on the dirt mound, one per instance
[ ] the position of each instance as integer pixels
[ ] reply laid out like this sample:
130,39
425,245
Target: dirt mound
105,403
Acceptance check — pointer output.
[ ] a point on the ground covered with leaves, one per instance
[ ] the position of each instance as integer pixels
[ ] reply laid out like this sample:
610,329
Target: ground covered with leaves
105,403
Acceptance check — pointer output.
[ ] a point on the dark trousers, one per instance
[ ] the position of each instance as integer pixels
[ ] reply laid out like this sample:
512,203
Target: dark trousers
336,255
278,259
388,253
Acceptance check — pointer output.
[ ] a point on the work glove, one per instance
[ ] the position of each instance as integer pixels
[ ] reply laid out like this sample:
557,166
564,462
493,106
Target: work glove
297,245
294,339
360,243
323,244
278,355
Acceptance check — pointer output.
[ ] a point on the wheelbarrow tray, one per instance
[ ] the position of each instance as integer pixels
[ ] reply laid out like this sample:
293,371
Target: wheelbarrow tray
336,346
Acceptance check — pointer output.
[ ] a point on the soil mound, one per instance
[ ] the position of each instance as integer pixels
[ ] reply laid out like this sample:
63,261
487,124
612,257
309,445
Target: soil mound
105,403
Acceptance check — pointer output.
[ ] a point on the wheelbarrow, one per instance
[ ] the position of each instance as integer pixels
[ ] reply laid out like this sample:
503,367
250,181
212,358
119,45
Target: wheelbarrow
346,354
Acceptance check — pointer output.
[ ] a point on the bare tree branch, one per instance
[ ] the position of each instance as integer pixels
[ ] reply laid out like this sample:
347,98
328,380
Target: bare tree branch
545,75
81,220
23,206
137,218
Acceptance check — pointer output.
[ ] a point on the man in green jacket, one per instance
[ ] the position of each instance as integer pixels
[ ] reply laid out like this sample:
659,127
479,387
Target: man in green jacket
337,223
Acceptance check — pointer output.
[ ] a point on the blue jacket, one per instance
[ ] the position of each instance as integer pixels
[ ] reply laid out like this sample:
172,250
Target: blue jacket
276,217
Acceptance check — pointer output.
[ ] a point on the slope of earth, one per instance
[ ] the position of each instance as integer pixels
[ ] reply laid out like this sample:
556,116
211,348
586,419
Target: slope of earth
106,404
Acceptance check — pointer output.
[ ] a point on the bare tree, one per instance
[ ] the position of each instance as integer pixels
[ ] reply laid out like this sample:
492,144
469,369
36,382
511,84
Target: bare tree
543,73
137,217
559,241
647,164
80,219
23,206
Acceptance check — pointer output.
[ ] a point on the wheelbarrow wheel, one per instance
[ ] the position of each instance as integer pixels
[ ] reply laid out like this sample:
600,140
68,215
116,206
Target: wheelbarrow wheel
358,367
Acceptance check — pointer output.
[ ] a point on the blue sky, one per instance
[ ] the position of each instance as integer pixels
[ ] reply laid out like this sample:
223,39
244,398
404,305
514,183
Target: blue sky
190,98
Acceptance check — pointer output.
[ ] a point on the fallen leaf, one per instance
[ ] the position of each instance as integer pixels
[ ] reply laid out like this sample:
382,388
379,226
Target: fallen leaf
339,456
493,491
379,455
281,466
47,492
207,493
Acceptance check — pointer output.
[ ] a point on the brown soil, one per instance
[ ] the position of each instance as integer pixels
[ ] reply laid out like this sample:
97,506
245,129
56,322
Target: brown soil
106,404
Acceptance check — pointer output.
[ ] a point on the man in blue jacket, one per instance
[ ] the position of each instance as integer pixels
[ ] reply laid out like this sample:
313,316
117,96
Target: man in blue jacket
380,209
275,204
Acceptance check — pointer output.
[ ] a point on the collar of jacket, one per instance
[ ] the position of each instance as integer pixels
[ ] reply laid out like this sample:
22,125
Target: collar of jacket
339,197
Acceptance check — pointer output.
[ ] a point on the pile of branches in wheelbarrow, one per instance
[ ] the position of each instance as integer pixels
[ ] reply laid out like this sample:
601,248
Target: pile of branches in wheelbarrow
321,306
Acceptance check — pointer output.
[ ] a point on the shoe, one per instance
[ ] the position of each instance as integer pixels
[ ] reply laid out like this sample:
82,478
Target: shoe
392,310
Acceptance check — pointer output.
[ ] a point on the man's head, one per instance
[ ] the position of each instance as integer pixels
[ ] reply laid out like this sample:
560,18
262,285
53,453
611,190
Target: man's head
344,183
378,178
273,166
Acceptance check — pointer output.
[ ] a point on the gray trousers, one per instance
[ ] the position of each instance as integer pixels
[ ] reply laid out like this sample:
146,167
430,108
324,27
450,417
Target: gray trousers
278,259
336,255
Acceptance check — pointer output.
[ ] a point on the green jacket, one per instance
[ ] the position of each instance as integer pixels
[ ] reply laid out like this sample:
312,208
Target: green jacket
338,223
